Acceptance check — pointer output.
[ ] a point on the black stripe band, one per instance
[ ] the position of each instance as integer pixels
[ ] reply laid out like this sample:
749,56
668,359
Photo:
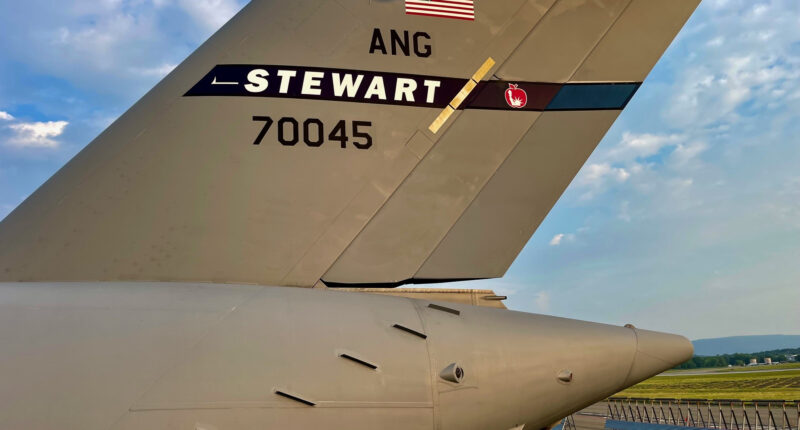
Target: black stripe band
359,86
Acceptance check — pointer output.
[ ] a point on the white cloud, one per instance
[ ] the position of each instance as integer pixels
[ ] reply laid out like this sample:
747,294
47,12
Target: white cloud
562,238
112,47
6,116
684,153
37,134
638,159
748,61
597,176
599,172
638,146
112,43
711,150
210,13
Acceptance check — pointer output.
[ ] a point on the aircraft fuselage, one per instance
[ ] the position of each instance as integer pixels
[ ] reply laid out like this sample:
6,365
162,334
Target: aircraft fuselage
201,356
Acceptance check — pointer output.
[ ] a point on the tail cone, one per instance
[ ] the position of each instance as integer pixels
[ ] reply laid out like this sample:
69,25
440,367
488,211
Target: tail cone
655,353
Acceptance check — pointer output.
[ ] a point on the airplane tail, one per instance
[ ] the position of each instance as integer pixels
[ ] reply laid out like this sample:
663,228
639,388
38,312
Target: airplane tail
345,142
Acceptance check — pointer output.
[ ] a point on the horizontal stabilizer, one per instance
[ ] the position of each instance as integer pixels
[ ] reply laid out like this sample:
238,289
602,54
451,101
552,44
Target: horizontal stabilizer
484,298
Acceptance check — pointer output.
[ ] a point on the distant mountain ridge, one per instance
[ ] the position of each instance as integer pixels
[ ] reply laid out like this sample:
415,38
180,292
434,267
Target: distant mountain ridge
744,344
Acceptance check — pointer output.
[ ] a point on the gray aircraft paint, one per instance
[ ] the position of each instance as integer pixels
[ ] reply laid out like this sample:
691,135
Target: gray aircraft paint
173,356
221,196
175,190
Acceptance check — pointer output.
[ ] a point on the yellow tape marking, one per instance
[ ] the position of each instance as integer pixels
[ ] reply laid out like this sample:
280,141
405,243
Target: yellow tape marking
483,70
441,119
461,96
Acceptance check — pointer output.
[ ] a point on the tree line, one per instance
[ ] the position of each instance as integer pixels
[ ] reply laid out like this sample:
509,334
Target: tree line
725,360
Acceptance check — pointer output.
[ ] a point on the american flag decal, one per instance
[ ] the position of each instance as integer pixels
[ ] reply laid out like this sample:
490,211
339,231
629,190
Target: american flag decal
456,9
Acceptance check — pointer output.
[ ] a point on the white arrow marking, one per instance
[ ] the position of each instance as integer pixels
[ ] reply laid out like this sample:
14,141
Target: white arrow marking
215,82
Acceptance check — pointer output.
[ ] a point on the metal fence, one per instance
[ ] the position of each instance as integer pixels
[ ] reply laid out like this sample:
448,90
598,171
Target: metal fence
710,414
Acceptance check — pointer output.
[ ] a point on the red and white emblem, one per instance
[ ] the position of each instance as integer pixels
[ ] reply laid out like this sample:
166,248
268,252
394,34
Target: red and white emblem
515,97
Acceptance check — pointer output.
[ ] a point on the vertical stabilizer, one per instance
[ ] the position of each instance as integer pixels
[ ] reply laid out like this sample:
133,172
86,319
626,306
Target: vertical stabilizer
296,145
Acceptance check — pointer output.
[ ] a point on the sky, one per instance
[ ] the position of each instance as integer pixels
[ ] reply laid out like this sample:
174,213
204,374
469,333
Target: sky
685,219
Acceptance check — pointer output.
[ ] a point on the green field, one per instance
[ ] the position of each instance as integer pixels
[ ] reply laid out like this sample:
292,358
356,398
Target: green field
724,385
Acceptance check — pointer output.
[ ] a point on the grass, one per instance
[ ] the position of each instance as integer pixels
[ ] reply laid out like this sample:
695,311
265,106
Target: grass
744,386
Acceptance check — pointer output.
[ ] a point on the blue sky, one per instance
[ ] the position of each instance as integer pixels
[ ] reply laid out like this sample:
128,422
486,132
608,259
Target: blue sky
686,218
